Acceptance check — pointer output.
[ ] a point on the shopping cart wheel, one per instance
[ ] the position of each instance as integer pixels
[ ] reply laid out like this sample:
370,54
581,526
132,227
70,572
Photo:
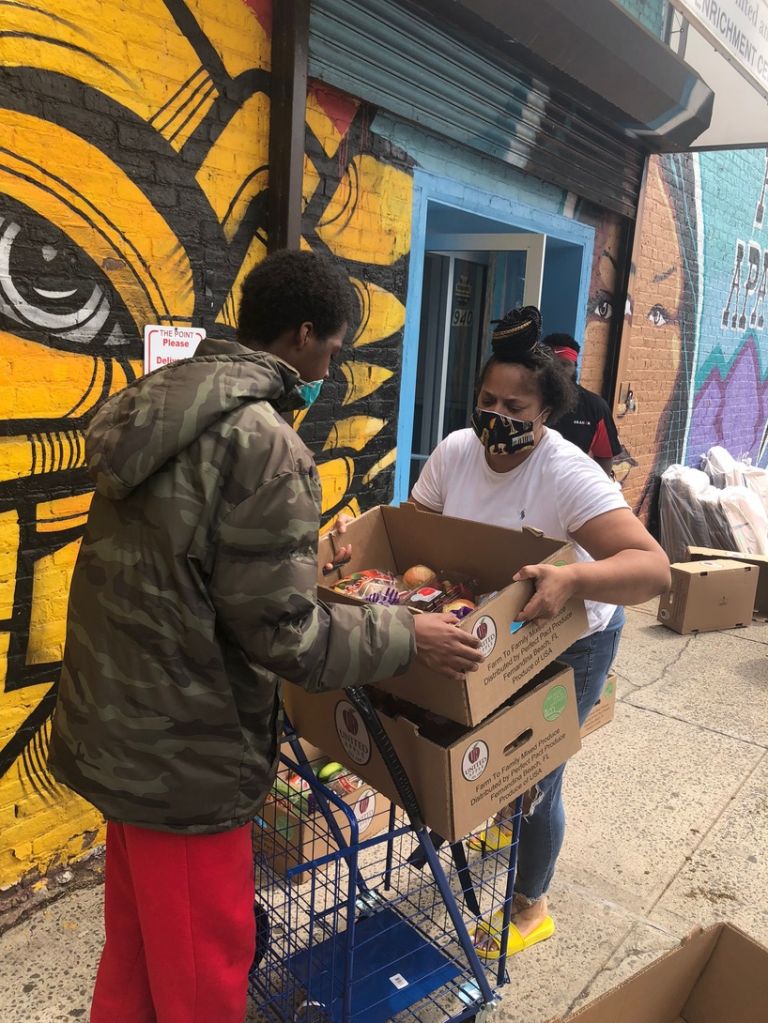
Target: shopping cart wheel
262,933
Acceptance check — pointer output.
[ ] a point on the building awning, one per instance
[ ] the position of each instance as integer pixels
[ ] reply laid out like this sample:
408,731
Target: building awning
596,54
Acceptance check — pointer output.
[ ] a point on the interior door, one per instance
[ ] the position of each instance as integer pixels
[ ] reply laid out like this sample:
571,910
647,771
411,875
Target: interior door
469,281
523,251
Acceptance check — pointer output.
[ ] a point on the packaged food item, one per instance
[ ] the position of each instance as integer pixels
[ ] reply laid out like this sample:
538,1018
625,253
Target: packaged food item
420,589
295,794
457,587
370,585
426,598
344,784
460,607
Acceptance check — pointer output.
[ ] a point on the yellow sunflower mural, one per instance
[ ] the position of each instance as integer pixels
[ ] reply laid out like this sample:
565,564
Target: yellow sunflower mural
133,173
358,202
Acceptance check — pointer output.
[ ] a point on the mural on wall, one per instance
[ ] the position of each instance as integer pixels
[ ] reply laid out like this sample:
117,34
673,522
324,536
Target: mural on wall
699,339
132,191
730,405
358,202
662,302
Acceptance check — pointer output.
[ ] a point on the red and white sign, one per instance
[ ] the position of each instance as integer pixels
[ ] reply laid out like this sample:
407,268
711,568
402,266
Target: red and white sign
163,345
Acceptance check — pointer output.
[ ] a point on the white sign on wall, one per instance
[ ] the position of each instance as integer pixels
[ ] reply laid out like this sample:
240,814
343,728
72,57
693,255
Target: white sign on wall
736,28
163,345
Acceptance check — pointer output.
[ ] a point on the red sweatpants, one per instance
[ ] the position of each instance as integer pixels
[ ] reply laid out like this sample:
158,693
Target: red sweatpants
181,933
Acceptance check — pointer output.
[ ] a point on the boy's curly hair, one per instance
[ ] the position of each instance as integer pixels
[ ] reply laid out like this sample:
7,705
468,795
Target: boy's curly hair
289,288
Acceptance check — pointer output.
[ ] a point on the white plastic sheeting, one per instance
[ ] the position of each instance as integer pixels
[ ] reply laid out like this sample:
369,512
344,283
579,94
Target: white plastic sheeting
732,515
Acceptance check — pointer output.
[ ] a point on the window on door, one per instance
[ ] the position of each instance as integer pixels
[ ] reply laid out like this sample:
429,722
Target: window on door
464,289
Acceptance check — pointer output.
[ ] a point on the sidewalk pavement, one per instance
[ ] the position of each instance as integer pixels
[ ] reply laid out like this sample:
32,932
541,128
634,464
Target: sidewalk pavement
667,829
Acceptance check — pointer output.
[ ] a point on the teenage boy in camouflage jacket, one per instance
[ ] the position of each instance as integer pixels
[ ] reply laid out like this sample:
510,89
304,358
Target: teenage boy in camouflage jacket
193,596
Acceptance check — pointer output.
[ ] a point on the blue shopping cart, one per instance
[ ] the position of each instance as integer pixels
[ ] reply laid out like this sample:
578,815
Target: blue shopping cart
366,917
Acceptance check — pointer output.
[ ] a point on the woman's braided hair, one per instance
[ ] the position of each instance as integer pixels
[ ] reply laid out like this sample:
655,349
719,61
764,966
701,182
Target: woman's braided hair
516,339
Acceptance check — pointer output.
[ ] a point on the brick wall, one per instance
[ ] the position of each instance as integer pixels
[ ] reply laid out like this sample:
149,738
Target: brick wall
696,350
357,207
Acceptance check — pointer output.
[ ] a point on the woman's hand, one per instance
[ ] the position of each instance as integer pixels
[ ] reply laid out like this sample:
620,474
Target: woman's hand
553,587
343,554
443,647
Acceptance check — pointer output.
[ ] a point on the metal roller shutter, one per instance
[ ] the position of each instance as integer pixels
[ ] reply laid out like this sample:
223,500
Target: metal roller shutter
388,56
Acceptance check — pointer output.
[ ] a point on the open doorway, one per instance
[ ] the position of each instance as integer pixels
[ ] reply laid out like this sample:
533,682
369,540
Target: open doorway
463,291
470,270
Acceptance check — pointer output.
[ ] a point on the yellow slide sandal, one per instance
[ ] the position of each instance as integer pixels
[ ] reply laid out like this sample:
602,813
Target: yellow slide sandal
489,935
491,840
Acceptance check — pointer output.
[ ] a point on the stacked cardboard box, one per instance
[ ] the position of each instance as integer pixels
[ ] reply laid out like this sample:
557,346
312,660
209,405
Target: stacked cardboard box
706,596
760,561
604,710
293,831
472,745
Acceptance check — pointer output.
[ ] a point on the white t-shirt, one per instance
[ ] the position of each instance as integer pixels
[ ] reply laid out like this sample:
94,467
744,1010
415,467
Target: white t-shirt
557,489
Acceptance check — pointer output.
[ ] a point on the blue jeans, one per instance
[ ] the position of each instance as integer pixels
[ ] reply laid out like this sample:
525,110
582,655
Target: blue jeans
543,829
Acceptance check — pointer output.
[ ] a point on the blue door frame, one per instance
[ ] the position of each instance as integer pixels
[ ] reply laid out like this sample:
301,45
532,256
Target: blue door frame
507,212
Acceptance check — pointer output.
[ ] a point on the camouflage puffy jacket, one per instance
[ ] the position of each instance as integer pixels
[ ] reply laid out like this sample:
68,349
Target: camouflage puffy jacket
195,593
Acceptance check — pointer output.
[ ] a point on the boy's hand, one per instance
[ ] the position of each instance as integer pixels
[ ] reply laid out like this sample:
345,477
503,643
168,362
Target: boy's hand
343,554
443,647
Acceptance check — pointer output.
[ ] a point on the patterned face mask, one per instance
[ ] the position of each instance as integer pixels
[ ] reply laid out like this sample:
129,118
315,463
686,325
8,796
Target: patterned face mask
501,435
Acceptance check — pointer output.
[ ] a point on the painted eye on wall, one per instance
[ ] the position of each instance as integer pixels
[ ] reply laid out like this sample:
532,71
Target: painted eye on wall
602,307
658,316
50,290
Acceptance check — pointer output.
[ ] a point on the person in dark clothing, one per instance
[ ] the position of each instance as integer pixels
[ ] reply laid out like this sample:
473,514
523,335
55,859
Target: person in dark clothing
193,602
590,425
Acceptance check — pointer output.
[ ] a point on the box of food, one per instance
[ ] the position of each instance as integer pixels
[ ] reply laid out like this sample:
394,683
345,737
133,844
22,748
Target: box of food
604,710
460,776
292,830
396,540
715,976
759,560
706,596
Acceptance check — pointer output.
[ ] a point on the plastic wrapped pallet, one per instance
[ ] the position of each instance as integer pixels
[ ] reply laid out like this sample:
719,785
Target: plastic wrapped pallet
690,512
747,519
757,481
722,468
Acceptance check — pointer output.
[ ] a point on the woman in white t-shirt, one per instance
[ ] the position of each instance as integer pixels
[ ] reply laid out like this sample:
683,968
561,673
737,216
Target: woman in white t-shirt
510,470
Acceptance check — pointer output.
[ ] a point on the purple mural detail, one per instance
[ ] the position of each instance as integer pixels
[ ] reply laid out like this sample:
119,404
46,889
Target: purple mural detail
731,410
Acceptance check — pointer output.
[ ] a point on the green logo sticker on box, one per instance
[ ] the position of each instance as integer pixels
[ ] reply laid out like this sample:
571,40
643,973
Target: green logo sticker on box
555,703
609,689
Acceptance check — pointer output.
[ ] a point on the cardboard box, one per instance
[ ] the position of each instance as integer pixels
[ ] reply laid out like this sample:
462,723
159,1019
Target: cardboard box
460,777
604,710
715,976
394,539
760,560
709,595
291,838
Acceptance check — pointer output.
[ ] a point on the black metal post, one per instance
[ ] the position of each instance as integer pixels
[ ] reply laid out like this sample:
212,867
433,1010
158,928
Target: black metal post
290,56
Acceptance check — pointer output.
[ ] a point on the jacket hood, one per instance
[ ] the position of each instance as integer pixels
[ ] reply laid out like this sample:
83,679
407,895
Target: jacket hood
142,427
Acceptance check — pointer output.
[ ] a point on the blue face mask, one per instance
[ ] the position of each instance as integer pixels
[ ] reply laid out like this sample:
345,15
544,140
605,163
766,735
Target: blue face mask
310,392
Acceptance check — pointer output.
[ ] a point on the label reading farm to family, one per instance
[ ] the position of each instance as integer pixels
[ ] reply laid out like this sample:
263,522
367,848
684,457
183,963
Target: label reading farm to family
163,345
352,733
475,760
511,777
485,630
533,649
365,810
